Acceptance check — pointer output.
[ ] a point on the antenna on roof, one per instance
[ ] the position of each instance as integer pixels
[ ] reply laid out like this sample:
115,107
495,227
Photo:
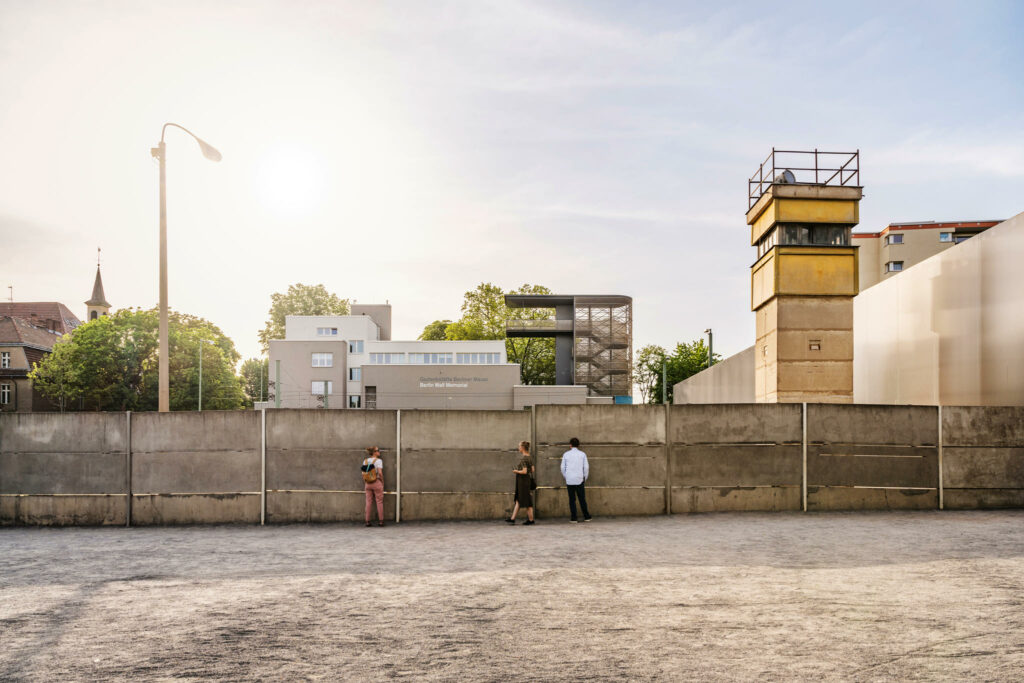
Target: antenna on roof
11,296
97,257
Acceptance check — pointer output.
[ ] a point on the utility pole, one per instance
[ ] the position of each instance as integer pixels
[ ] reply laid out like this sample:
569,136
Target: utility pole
711,355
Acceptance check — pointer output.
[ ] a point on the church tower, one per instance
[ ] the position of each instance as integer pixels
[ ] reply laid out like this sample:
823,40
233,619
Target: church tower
97,305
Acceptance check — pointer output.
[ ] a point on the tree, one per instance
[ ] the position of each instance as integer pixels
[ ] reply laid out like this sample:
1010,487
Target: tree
647,370
485,316
300,299
111,363
254,377
685,361
435,331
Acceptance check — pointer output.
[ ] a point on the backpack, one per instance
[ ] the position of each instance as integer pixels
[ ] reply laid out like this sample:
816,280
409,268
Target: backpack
369,471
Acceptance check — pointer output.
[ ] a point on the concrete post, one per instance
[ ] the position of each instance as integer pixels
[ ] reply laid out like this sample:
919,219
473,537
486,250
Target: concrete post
128,469
668,459
535,452
939,440
398,466
277,383
803,477
263,467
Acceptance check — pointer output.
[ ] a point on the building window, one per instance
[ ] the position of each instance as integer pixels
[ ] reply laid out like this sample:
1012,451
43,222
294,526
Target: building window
355,402
945,237
957,239
5,359
323,360
327,331
92,316
5,394
478,358
355,374
371,398
895,238
894,266
430,358
317,388
386,358
355,346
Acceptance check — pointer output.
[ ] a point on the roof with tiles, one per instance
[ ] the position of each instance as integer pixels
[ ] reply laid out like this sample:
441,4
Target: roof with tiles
17,331
50,315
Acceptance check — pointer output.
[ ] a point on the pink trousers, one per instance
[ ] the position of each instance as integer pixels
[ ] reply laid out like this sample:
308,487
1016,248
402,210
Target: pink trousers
375,490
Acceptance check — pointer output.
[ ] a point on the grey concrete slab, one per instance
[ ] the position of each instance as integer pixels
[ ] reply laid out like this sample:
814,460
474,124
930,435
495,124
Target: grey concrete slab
331,429
736,423
458,470
465,505
196,472
197,508
63,432
990,426
289,507
983,499
67,472
732,465
823,498
864,465
870,424
211,430
983,467
691,499
64,510
610,465
500,430
327,469
604,501
600,424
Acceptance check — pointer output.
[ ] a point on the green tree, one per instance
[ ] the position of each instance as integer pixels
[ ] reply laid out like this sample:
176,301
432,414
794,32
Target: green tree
57,378
112,364
254,377
485,315
685,361
435,331
300,299
647,371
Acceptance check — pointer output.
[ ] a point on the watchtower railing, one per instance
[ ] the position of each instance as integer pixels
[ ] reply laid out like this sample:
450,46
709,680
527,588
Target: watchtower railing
814,167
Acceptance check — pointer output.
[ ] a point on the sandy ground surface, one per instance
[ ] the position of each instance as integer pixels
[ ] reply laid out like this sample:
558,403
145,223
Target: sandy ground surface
853,596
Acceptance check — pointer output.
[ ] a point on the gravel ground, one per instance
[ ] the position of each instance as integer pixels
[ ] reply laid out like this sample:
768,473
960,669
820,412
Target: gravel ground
861,596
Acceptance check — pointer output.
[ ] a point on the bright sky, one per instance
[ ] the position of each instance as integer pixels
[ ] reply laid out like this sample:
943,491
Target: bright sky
406,151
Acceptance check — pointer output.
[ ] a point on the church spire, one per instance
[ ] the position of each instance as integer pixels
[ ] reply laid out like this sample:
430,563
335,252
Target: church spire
97,304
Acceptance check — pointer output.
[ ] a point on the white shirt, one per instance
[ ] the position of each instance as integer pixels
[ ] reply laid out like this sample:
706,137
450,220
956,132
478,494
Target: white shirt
378,463
575,467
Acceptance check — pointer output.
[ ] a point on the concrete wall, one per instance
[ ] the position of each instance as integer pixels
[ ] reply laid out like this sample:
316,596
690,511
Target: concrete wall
948,331
625,446
442,387
736,457
303,465
298,373
728,381
526,395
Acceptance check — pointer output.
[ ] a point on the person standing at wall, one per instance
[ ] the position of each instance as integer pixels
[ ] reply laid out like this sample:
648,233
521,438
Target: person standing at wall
373,483
524,485
575,470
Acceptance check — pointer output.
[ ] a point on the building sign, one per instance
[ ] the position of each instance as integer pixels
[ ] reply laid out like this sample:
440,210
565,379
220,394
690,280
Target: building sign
448,382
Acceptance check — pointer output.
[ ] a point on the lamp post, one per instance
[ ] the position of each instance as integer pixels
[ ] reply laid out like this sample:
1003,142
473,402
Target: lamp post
160,153
711,355
201,342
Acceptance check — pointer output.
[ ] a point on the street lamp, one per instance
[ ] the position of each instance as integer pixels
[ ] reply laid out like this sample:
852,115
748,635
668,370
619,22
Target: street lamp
201,342
160,152
711,355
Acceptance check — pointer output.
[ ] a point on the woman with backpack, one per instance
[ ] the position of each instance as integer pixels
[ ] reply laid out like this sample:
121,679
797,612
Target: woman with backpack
373,483
525,485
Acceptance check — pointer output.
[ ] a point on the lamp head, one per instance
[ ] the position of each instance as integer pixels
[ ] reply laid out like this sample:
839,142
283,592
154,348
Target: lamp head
209,151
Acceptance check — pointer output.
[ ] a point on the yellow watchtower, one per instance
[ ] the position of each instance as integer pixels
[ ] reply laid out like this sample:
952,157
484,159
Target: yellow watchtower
802,207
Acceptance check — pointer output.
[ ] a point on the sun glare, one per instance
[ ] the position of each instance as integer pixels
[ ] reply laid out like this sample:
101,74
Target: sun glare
291,180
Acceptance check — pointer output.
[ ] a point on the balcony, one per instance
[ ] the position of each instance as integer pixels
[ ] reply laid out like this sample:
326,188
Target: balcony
538,328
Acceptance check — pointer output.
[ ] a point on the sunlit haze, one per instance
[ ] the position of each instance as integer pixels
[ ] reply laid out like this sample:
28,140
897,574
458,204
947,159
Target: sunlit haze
409,151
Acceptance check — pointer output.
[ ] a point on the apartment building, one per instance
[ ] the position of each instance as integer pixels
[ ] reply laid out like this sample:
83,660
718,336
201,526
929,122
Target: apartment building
899,246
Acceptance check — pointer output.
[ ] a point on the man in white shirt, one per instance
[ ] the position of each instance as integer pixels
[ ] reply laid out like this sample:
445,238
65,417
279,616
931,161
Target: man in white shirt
575,470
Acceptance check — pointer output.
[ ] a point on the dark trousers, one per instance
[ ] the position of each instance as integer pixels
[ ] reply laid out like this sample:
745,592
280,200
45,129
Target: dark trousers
577,490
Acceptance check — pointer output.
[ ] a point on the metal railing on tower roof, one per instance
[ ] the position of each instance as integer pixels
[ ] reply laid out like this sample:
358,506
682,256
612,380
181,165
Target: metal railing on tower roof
804,167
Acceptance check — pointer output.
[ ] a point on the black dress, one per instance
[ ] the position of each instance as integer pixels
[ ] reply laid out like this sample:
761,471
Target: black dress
524,496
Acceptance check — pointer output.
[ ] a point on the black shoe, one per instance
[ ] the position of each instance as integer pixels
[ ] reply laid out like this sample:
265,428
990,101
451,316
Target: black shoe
510,520
528,523
587,519
367,524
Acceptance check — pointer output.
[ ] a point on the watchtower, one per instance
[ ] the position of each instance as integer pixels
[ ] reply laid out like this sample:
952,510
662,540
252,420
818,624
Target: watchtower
802,206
